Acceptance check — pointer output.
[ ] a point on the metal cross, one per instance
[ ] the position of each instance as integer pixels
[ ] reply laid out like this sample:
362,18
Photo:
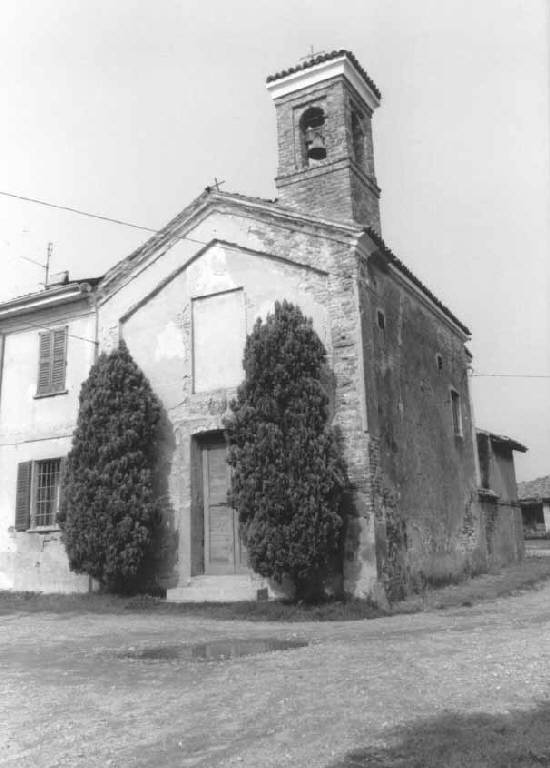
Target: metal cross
311,54
217,184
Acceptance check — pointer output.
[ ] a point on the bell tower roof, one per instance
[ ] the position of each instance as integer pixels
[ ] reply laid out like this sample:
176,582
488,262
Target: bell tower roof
322,67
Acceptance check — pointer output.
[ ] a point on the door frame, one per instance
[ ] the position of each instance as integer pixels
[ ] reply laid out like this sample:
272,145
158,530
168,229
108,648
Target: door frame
209,440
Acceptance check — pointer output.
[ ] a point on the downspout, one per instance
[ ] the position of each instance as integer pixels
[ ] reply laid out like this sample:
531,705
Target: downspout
85,288
96,329
473,427
2,344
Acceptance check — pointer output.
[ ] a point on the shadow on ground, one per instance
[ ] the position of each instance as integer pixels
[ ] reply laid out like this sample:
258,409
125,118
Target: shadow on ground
518,739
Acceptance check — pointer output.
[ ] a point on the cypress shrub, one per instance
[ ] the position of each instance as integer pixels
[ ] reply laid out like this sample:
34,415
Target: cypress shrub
108,512
287,475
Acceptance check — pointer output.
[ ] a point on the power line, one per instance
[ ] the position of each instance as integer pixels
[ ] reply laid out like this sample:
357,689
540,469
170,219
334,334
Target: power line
89,215
49,328
514,375
131,225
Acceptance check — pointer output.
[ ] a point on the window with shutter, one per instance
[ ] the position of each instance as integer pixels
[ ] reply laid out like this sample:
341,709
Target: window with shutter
38,493
52,361
46,502
23,496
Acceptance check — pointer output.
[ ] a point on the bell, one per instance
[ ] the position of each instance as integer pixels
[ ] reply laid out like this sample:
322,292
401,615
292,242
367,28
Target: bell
316,147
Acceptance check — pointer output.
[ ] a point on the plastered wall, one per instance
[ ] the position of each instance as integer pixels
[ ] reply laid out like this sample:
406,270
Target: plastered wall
267,262
32,429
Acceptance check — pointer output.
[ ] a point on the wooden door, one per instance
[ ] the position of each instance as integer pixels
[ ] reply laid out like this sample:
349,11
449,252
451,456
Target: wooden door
224,551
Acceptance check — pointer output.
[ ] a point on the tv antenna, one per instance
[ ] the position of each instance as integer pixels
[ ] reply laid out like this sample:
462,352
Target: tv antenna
46,266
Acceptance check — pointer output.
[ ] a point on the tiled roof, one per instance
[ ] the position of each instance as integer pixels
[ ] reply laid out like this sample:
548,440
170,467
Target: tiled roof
54,290
398,264
319,59
535,489
503,440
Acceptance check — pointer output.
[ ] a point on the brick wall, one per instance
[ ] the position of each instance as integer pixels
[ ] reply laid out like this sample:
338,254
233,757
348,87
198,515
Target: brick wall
338,187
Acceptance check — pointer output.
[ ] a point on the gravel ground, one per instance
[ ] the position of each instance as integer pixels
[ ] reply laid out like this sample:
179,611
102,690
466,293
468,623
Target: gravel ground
71,697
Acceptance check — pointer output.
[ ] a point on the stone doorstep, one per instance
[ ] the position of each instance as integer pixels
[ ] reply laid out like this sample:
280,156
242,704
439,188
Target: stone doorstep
230,588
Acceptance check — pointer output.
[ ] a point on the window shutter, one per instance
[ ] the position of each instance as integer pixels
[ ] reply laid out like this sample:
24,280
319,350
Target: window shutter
59,359
23,496
45,363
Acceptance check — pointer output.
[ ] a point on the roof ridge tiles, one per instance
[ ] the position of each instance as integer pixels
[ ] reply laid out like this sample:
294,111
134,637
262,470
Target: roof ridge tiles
322,57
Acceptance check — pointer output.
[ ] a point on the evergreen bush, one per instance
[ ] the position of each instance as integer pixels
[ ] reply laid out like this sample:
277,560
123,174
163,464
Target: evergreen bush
108,512
287,475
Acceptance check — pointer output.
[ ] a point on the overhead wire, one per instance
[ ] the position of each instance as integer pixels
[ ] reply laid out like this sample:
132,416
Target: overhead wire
514,375
132,225
90,215
40,327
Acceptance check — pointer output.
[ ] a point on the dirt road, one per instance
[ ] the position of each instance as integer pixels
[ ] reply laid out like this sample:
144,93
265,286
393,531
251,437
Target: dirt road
75,692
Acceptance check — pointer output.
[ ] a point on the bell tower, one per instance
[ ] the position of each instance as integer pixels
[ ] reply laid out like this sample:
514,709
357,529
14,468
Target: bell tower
326,158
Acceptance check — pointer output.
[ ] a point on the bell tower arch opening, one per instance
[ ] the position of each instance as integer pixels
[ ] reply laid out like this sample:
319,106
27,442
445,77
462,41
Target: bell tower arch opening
312,133
324,109
358,138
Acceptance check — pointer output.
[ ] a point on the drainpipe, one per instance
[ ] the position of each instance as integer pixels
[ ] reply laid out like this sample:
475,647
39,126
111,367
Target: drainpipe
2,343
96,329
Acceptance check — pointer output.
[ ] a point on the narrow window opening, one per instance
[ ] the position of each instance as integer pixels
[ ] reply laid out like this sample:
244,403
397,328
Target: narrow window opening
381,319
456,411
358,136
439,362
312,126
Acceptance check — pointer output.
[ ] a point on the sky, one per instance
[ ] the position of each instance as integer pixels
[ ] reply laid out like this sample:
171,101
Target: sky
129,109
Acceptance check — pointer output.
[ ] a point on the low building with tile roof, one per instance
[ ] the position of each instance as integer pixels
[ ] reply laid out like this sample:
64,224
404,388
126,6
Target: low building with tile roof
534,498
184,302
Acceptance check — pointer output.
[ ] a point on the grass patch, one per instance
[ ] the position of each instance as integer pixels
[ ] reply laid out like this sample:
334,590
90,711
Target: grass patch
517,739
504,582
30,602
509,581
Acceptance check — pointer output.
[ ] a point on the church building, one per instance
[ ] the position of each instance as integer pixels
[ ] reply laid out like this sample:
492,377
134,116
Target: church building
184,302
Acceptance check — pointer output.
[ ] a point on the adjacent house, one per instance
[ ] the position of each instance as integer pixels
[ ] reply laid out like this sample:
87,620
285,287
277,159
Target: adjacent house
499,497
47,345
534,498
397,367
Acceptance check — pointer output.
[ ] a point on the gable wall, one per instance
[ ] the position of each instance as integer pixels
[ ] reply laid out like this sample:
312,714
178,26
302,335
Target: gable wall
312,271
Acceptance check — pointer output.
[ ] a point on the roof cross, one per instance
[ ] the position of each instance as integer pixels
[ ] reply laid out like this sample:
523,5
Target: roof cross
311,54
216,185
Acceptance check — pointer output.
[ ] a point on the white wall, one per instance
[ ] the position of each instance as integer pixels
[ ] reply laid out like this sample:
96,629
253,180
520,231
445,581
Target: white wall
32,429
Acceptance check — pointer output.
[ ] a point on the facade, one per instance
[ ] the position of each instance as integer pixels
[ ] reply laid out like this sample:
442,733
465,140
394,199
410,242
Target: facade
397,365
47,348
534,498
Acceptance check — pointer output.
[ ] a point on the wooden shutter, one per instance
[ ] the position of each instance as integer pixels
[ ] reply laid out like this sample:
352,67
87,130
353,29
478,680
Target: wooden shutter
45,363
59,359
23,496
